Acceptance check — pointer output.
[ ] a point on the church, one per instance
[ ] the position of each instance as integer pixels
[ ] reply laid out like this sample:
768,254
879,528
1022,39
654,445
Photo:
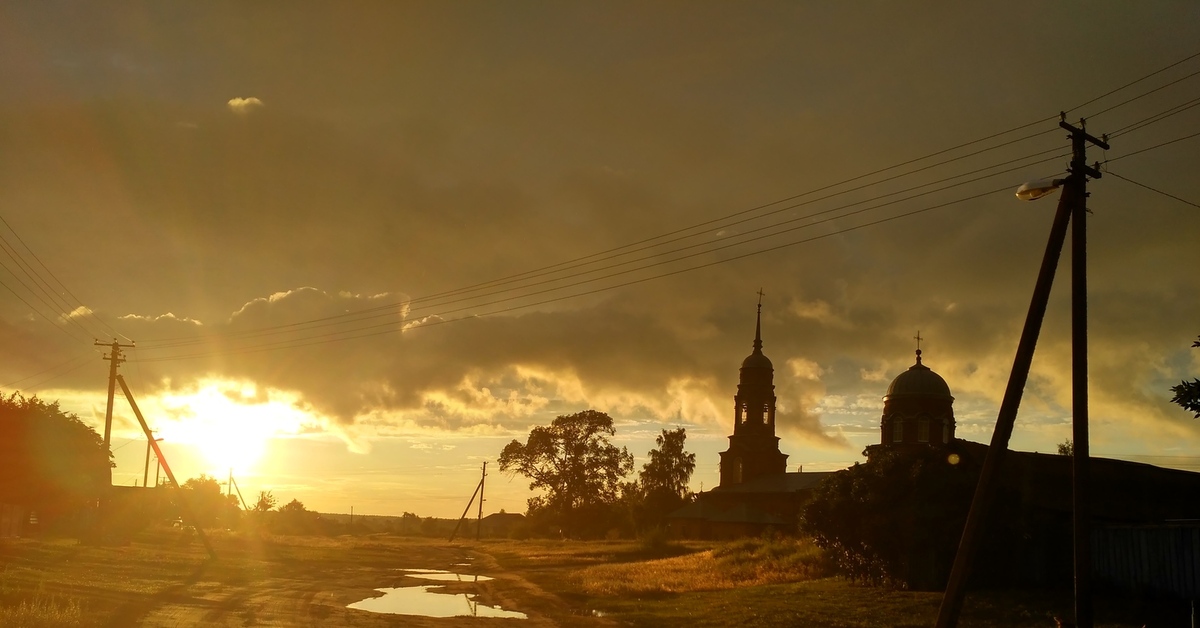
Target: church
757,493
1135,505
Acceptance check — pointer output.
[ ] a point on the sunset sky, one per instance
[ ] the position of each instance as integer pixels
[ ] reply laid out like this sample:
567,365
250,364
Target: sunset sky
363,245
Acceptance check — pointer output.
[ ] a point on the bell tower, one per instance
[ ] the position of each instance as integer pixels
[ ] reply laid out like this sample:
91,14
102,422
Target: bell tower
753,448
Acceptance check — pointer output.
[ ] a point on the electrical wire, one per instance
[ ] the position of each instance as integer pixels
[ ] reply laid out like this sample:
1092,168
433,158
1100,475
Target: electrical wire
389,310
1181,200
43,382
40,313
1150,148
1134,82
392,327
423,324
57,306
1144,94
58,281
645,244
87,355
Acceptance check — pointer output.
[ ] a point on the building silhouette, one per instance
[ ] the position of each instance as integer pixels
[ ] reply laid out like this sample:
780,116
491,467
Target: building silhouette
918,409
753,448
757,493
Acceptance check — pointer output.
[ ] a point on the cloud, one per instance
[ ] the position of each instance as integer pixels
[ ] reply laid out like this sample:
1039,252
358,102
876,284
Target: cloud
169,316
243,106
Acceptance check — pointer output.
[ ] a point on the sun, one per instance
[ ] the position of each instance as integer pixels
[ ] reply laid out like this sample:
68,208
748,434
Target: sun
230,424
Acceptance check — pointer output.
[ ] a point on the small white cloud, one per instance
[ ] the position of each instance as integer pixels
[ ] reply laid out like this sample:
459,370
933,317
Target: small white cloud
243,106
161,317
79,312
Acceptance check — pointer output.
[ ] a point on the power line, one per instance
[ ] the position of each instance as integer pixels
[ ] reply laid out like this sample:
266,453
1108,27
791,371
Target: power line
39,312
1150,148
47,380
388,310
645,244
56,305
1144,94
56,279
1134,82
1184,201
87,356
392,327
374,331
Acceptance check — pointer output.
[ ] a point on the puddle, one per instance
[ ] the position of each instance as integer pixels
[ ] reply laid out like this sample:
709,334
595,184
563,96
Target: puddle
442,574
432,600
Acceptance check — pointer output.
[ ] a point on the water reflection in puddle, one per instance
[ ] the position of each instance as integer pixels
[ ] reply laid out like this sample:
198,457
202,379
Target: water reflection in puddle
432,600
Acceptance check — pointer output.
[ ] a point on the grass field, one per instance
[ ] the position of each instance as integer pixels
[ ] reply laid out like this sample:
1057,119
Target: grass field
164,578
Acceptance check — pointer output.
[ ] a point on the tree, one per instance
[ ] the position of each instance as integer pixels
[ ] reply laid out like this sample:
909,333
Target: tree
1187,394
50,461
294,518
207,503
662,485
573,461
670,467
898,518
266,501
1066,448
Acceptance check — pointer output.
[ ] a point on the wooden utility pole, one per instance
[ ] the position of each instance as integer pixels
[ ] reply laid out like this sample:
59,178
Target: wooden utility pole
1081,481
115,359
1071,205
479,517
463,516
146,470
239,491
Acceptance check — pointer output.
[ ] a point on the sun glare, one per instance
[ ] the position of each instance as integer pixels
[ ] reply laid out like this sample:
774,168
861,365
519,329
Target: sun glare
230,424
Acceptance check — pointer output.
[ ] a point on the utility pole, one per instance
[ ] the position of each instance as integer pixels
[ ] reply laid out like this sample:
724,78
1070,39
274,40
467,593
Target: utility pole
479,517
1081,480
1071,204
115,359
146,470
478,491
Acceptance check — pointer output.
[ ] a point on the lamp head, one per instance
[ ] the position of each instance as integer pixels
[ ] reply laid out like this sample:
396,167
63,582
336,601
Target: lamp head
1037,189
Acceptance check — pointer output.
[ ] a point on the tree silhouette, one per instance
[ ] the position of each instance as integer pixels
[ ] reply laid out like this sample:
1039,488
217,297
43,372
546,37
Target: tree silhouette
573,461
1187,394
266,501
208,504
662,485
50,460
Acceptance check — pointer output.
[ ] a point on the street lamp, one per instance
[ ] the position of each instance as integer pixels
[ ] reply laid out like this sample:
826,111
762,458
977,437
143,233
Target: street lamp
1072,211
1034,190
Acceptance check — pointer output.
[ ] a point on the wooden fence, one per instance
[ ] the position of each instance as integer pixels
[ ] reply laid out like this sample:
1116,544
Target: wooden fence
1163,558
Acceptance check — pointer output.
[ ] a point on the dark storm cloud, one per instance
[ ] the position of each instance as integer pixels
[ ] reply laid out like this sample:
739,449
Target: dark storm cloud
406,150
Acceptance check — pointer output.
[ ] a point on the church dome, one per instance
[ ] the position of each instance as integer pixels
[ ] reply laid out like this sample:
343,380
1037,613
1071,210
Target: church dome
918,380
757,360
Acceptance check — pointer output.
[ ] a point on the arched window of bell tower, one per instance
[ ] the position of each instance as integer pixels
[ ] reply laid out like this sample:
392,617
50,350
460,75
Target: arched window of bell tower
897,431
923,430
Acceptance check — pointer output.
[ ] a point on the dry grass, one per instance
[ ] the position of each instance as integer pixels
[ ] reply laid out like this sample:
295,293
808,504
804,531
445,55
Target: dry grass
44,612
748,562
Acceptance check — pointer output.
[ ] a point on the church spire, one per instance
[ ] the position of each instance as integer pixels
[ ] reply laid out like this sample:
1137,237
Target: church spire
758,325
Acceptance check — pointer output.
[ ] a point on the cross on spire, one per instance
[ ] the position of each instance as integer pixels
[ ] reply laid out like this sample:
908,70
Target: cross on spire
761,294
918,339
